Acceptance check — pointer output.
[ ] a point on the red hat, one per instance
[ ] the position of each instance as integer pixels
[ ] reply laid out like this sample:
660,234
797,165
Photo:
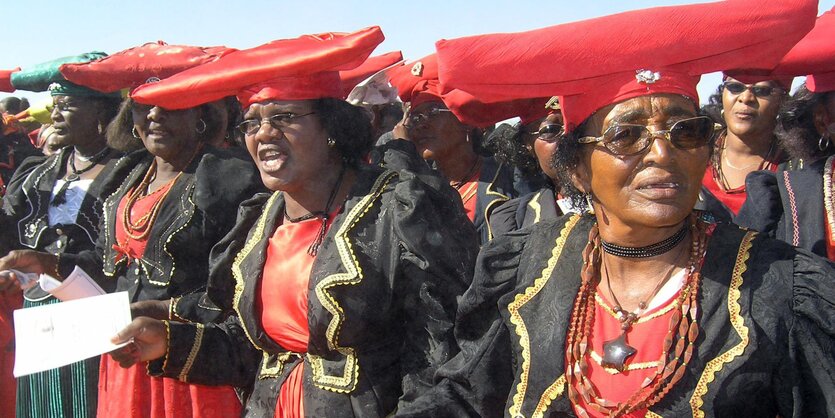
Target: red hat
371,66
306,67
418,83
6,80
814,56
135,66
597,62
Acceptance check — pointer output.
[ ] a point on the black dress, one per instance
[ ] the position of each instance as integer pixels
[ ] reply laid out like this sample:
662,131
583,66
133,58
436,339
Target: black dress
199,210
525,211
68,391
789,204
765,348
495,186
383,291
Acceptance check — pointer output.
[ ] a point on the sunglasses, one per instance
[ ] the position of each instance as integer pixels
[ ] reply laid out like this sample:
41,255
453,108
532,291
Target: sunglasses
415,118
550,133
736,88
628,139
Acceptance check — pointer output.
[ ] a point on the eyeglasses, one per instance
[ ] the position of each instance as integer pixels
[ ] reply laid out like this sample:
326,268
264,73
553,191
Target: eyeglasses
549,133
736,88
628,139
277,121
415,118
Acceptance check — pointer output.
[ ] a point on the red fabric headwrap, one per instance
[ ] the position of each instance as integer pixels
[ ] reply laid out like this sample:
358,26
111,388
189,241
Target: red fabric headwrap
814,56
371,66
588,59
133,67
418,83
287,66
6,80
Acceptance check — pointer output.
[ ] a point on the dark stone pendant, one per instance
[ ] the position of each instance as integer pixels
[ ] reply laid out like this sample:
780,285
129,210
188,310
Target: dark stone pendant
72,177
616,352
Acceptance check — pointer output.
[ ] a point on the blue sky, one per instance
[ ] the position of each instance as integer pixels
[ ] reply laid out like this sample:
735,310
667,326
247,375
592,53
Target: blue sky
42,30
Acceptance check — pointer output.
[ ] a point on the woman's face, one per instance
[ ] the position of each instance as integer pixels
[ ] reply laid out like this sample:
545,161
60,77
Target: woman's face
167,134
293,153
438,135
749,115
543,150
75,120
657,187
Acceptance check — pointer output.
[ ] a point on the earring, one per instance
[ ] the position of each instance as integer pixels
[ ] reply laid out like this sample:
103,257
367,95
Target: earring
823,142
100,128
200,129
135,133
722,113
589,206
331,142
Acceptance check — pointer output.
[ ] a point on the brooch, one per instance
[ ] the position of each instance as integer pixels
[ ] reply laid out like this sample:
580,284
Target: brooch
417,69
647,76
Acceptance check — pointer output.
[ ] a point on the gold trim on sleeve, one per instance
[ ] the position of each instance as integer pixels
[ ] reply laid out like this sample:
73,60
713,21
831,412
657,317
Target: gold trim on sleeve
522,330
536,207
195,348
651,414
500,198
737,322
347,382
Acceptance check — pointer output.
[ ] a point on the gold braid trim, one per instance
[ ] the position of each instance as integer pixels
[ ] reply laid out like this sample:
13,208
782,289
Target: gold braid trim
522,331
240,283
352,276
500,198
536,207
556,389
716,365
635,366
641,320
651,414
195,348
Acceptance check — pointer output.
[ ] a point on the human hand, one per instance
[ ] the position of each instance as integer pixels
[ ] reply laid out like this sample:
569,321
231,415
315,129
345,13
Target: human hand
150,341
29,261
9,284
157,309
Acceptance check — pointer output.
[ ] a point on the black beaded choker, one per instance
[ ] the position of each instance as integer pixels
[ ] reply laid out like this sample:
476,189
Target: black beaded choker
651,250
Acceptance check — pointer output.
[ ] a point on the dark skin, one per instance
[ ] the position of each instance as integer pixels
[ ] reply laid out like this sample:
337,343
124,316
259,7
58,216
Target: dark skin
543,150
641,199
296,160
172,137
79,122
751,121
443,139
824,116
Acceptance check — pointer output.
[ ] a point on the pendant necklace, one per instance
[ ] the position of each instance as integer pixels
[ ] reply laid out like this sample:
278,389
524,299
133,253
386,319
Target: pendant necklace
617,351
61,196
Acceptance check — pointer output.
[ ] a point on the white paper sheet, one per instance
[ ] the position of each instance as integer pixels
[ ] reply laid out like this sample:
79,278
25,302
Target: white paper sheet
56,335
76,286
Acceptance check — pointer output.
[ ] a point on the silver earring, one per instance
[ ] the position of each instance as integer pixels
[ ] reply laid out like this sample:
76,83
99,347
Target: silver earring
823,142
589,206
101,129
331,142
200,129
135,133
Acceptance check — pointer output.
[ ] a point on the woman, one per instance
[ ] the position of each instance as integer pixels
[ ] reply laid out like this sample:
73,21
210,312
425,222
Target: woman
173,200
641,308
53,205
455,148
748,144
539,138
346,275
794,204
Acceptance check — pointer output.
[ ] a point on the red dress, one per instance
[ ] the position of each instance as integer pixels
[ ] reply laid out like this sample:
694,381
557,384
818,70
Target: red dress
282,302
732,198
7,380
131,392
469,196
646,335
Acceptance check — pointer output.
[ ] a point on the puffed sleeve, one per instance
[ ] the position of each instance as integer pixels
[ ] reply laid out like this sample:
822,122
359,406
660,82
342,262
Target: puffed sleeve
438,247
208,354
812,336
763,208
476,382
224,182
503,218
14,202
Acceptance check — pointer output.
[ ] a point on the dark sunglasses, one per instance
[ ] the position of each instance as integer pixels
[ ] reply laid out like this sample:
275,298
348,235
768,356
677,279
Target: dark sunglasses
736,88
416,118
551,132
629,139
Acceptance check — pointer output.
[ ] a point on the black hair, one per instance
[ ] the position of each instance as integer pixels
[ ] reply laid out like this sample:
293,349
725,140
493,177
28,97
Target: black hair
348,125
120,131
507,145
796,129
714,106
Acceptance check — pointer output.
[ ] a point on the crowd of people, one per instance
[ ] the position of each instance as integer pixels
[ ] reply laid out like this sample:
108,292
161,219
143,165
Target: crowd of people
304,229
